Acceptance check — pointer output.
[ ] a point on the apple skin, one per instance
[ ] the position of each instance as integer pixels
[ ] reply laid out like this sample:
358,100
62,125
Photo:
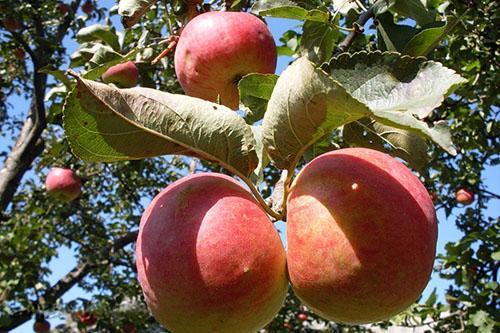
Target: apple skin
11,25
63,184
88,7
361,235
209,259
41,326
86,318
62,8
216,49
464,196
124,75
20,53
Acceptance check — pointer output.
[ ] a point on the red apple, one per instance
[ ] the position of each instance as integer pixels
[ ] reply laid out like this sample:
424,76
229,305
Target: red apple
86,318
41,326
361,236
11,25
88,7
63,184
124,75
209,259
20,53
464,196
129,328
216,49
62,8
302,317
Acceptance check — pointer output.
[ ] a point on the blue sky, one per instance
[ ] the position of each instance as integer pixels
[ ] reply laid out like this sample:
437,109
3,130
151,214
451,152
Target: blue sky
447,230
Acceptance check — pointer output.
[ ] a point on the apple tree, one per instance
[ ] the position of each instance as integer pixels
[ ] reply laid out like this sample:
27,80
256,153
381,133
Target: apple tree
413,79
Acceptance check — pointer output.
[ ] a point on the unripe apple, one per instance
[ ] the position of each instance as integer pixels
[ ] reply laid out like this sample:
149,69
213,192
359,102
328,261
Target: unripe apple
361,235
216,49
41,326
20,53
465,196
209,259
11,25
88,7
63,184
124,75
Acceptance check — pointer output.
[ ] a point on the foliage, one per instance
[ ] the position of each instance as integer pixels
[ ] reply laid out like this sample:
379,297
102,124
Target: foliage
382,94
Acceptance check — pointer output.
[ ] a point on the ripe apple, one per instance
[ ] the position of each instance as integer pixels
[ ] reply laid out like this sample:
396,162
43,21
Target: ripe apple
209,259
11,25
124,75
41,326
464,196
216,49
63,184
20,53
129,328
88,7
361,236
62,8
86,318
302,317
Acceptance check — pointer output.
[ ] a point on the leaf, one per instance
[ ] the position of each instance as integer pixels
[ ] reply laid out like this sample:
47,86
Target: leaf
99,33
482,321
394,37
106,124
400,143
426,40
432,299
257,176
292,9
495,256
255,92
306,104
132,10
318,41
86,51
399,89
344,6
414,9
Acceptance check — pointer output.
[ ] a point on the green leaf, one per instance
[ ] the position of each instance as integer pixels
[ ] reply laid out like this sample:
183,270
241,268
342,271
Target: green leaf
318,41
292,9
104,123
414,9
99,33
58,74
306,104
257,176
344,6
426,40
255,92
495,256
86,51
392,36
399,90
482,321
132,10
394,141
431,300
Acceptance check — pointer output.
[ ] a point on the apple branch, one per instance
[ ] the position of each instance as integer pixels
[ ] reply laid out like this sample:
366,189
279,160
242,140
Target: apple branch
51,295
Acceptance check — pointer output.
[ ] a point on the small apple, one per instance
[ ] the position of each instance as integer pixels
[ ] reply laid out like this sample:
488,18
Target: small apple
209,259
20,53
62,8
124,75
129,328
86,318
287,326
361,236
41,326
302,317
63,184
88,7
216,49
11,25
465,196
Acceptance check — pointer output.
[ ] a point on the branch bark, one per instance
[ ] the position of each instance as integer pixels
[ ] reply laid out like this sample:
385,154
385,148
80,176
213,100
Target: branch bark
358,30
77,274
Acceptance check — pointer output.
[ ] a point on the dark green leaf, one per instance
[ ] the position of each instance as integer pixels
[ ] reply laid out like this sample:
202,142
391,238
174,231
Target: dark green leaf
292,9
318,41
255,92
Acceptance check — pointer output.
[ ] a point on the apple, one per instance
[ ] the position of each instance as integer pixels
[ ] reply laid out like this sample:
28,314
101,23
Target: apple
63,184
63,8
302,317
129,328
86,318
11,25
88,7
361,235
216,49
464,196
20,53
124,75
209,259
41,326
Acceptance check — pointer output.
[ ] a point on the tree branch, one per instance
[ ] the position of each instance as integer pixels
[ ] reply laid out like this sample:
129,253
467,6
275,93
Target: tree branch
358,28
55,292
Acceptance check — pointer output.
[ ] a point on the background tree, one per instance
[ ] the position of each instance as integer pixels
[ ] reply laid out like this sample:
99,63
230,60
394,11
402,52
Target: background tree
102,225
